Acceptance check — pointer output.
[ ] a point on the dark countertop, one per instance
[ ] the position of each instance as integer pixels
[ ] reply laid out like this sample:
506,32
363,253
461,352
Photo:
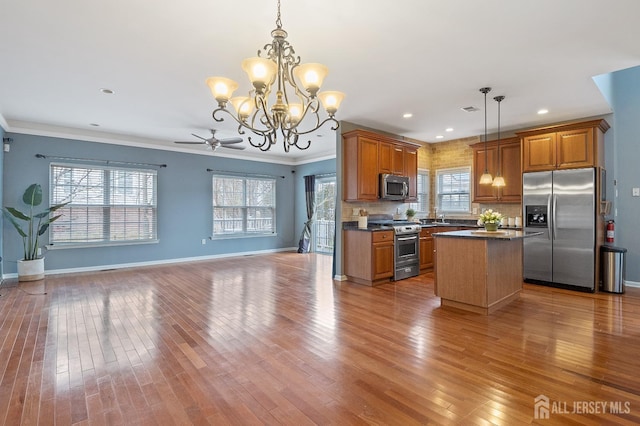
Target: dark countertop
353,226
501,234
375,227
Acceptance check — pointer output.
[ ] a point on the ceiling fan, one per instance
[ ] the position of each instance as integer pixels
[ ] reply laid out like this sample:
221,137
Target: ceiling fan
214,142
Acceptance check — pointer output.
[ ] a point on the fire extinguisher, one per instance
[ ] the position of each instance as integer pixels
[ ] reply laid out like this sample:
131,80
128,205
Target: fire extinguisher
611,231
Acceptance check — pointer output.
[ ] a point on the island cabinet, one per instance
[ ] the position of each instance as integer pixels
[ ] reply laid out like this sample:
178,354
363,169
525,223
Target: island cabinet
478,273
509,164
368,256
366,155
568,146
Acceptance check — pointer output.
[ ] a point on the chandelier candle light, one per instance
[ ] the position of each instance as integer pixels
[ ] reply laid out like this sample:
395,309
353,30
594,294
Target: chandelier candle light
297,101
486,177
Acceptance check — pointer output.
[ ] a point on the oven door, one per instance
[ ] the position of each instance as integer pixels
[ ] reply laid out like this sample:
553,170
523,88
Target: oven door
407,247
407,258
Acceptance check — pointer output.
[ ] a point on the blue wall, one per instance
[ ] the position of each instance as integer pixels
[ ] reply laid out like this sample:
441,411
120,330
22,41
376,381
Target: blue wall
184,202
625,101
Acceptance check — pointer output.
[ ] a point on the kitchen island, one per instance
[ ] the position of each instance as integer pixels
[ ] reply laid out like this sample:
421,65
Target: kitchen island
477,270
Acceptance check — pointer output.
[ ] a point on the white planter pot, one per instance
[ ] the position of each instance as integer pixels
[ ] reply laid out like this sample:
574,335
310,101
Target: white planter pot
31,270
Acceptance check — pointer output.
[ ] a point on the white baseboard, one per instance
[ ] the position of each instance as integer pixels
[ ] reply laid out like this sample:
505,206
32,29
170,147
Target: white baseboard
628,283
340,278
154,262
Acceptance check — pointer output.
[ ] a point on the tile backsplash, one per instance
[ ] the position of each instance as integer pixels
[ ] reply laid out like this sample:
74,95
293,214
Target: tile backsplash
391,208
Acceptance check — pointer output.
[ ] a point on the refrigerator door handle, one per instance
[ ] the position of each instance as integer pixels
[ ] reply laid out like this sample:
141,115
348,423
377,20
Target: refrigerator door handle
550,218
555,216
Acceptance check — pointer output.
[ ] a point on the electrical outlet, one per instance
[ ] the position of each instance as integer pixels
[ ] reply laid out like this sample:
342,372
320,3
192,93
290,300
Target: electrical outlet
636,192
475,210
204,241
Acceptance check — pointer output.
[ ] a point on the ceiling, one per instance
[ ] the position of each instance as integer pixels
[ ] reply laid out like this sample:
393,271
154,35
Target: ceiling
425,57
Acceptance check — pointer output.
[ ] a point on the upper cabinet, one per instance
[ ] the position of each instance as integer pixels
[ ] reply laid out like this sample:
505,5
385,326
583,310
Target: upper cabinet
410,156
366,155
390,158
509,162
360,168
569,146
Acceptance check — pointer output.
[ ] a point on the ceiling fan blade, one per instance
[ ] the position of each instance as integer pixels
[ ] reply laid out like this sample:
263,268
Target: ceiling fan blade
230,141
200,137
233,147
190,142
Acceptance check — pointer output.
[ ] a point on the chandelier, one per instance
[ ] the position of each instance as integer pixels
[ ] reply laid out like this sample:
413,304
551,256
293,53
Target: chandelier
284,97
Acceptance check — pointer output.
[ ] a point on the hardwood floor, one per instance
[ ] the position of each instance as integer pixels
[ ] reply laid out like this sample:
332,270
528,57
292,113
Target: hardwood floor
273,340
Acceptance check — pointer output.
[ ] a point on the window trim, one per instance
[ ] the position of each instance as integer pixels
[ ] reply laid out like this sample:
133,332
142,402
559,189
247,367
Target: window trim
52,245
437,199
244,233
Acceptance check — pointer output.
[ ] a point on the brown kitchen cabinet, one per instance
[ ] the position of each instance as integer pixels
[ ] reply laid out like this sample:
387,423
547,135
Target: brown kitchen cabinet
366,155
390,158
410,156
426,248
368,256
568,146
510,169
360,171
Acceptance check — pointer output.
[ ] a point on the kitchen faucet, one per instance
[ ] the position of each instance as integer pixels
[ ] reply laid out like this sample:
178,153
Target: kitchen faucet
442,217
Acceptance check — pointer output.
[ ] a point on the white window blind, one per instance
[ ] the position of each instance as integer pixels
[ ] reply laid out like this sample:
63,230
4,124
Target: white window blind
422,205
243,206
107,205
453,189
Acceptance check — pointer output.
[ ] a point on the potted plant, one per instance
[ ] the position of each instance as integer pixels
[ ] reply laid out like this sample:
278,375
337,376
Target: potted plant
490,219
31,267
410,214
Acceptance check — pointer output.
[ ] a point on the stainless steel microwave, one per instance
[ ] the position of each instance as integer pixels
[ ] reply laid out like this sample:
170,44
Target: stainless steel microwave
393,187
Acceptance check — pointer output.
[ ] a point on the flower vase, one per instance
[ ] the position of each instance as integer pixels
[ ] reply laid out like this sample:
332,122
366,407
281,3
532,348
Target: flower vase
491,227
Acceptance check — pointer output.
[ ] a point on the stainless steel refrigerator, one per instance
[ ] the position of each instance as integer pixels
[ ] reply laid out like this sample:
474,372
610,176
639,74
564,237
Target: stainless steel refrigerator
562,205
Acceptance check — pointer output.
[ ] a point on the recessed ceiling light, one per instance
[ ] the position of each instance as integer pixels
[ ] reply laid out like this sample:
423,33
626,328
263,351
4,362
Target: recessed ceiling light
94,124
107,91
407,115
470,109
543,111
449,129
439,137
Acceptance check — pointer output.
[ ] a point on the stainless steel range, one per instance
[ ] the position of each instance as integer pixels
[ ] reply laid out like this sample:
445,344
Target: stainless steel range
406,247
407,250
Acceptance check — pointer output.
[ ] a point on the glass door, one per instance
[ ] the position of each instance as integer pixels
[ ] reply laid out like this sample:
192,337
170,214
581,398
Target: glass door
325,223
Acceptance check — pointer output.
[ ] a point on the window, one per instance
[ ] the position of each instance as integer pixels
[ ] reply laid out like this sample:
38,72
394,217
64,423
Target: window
453,190
422,205
243,206
106,205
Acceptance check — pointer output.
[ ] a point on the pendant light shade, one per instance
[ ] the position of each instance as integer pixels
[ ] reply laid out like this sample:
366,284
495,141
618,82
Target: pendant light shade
486,177
499,180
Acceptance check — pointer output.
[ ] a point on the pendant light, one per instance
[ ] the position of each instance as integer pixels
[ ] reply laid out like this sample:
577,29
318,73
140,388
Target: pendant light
498,181
486,178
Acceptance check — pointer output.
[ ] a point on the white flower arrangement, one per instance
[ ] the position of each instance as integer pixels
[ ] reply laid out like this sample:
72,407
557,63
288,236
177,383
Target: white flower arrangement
489,216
